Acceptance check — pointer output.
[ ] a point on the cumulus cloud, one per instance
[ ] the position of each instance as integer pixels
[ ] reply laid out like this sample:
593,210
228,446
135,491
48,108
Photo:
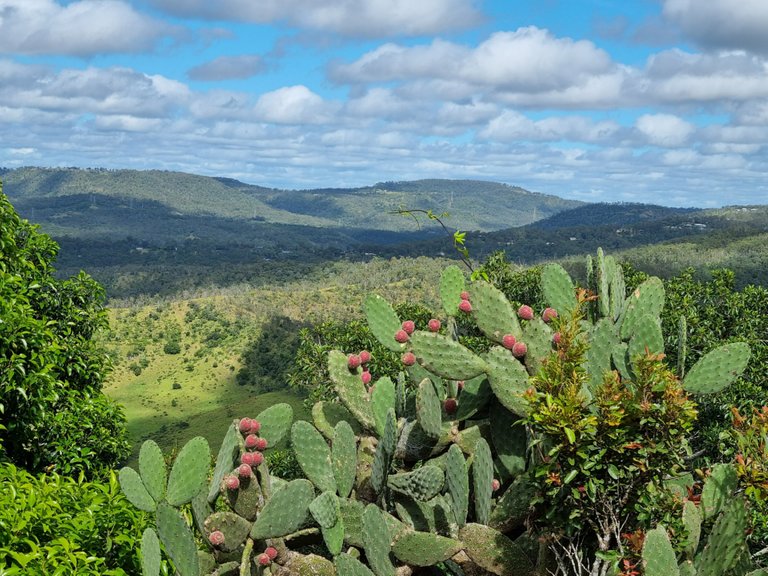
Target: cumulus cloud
293,105
228,68
722,24
514,126
664,130
80,28
356,18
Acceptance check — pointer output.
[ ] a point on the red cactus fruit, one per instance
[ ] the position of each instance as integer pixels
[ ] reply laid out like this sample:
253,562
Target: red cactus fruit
216,538
244,471
401,336
465,306
409,358
365,357
464,295
365,376
261,444
353,361
271,551
251,440
258,458
264,559
508,341
245,425
232,482
519,349
495,484
525,312
434,325
409,326
450,405
549,314
247,458
255,426
556,337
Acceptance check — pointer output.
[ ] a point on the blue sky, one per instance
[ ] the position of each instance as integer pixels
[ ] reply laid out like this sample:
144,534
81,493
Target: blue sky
662,101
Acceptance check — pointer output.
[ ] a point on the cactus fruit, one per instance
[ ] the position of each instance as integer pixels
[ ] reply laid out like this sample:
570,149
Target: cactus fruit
271,551
519,350
263,559
365,357
232,482
365,376
401,336
508,341
409,326
450,405
495,484
549,314
525,312
245,425
261,444
434,325
244,471
353,361
216,538
250,441
465,306
408,359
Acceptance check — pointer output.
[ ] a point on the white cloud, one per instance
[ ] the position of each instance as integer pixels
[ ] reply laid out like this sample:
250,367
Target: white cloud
356,18
664,130
80,28
293,105
513,126
722,24
228,68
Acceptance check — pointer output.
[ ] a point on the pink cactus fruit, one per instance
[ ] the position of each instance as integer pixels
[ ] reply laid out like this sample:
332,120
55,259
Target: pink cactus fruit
519,349
247,458
255,426
271,551
244,471
401,336
556,337
465,306
450,405
216,538
464,295
232,482
244,425
263,559
365,357
409,358
525,312
495,484
508,341
409,326
258,458
365,376
434,325
549,314
251,440
353,361
261,444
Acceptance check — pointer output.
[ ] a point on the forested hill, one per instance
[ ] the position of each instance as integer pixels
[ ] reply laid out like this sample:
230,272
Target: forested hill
59,196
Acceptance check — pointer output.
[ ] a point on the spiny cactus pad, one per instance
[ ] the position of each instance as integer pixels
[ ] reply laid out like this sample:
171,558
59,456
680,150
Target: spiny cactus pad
451,287
424,548
135,491
234,527
482,477
377,541
493,313
509,440
508,379
718,490
383,321
313,455
150,553
177,539
717,369
152,469
692,522
344,458
189,472
382,399
349,566
726,542
493,551
285,511
445,357
225,461
474,396
658,555
422,484
275,423
326,415
428,411
350,389
457,481
557,286
646,299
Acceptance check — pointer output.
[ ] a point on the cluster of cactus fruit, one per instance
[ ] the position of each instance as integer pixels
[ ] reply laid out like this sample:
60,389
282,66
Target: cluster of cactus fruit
428,469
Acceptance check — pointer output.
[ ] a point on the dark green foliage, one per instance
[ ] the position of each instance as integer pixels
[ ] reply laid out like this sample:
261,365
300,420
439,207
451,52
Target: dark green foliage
53,524
267,361
51,371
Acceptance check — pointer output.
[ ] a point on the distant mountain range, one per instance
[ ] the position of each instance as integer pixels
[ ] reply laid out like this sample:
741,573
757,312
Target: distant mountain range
155,231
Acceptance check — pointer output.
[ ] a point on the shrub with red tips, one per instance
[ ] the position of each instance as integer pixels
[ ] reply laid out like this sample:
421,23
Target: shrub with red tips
264,559
519,349
409,358
271,551
434,325
549,314
409,326
365,357
232,482
495,484
525,312
450,405
465,306
464,295
508,341
251,440
353,361
401,336
216,538
365,377
244,471
245,425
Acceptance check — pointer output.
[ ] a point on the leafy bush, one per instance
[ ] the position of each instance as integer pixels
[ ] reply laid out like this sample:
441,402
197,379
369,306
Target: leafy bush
54,524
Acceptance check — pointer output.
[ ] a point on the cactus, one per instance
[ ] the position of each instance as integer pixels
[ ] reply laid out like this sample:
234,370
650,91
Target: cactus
717,369
313,455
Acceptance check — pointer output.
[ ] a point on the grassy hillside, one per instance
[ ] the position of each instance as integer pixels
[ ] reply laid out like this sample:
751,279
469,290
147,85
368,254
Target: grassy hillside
177,360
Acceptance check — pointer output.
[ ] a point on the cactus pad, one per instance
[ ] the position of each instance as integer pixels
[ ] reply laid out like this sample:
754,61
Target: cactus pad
509,440
313,455
325,416
189,472
150,553
493,551
347,565
493,313
178,540
152,469
692,522
344,458
508,379
717,369
482,478
377,541
275,422
513,507
382,399
646,299
646,337
135,491
658,554
558,289
445,357
383,321
325,509
234,527
428,408
726,541
424,548
473,397
225,460
451,287
285,511
422,484
718,490
350,389
457,480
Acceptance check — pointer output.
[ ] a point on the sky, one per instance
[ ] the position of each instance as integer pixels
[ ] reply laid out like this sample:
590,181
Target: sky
658,101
